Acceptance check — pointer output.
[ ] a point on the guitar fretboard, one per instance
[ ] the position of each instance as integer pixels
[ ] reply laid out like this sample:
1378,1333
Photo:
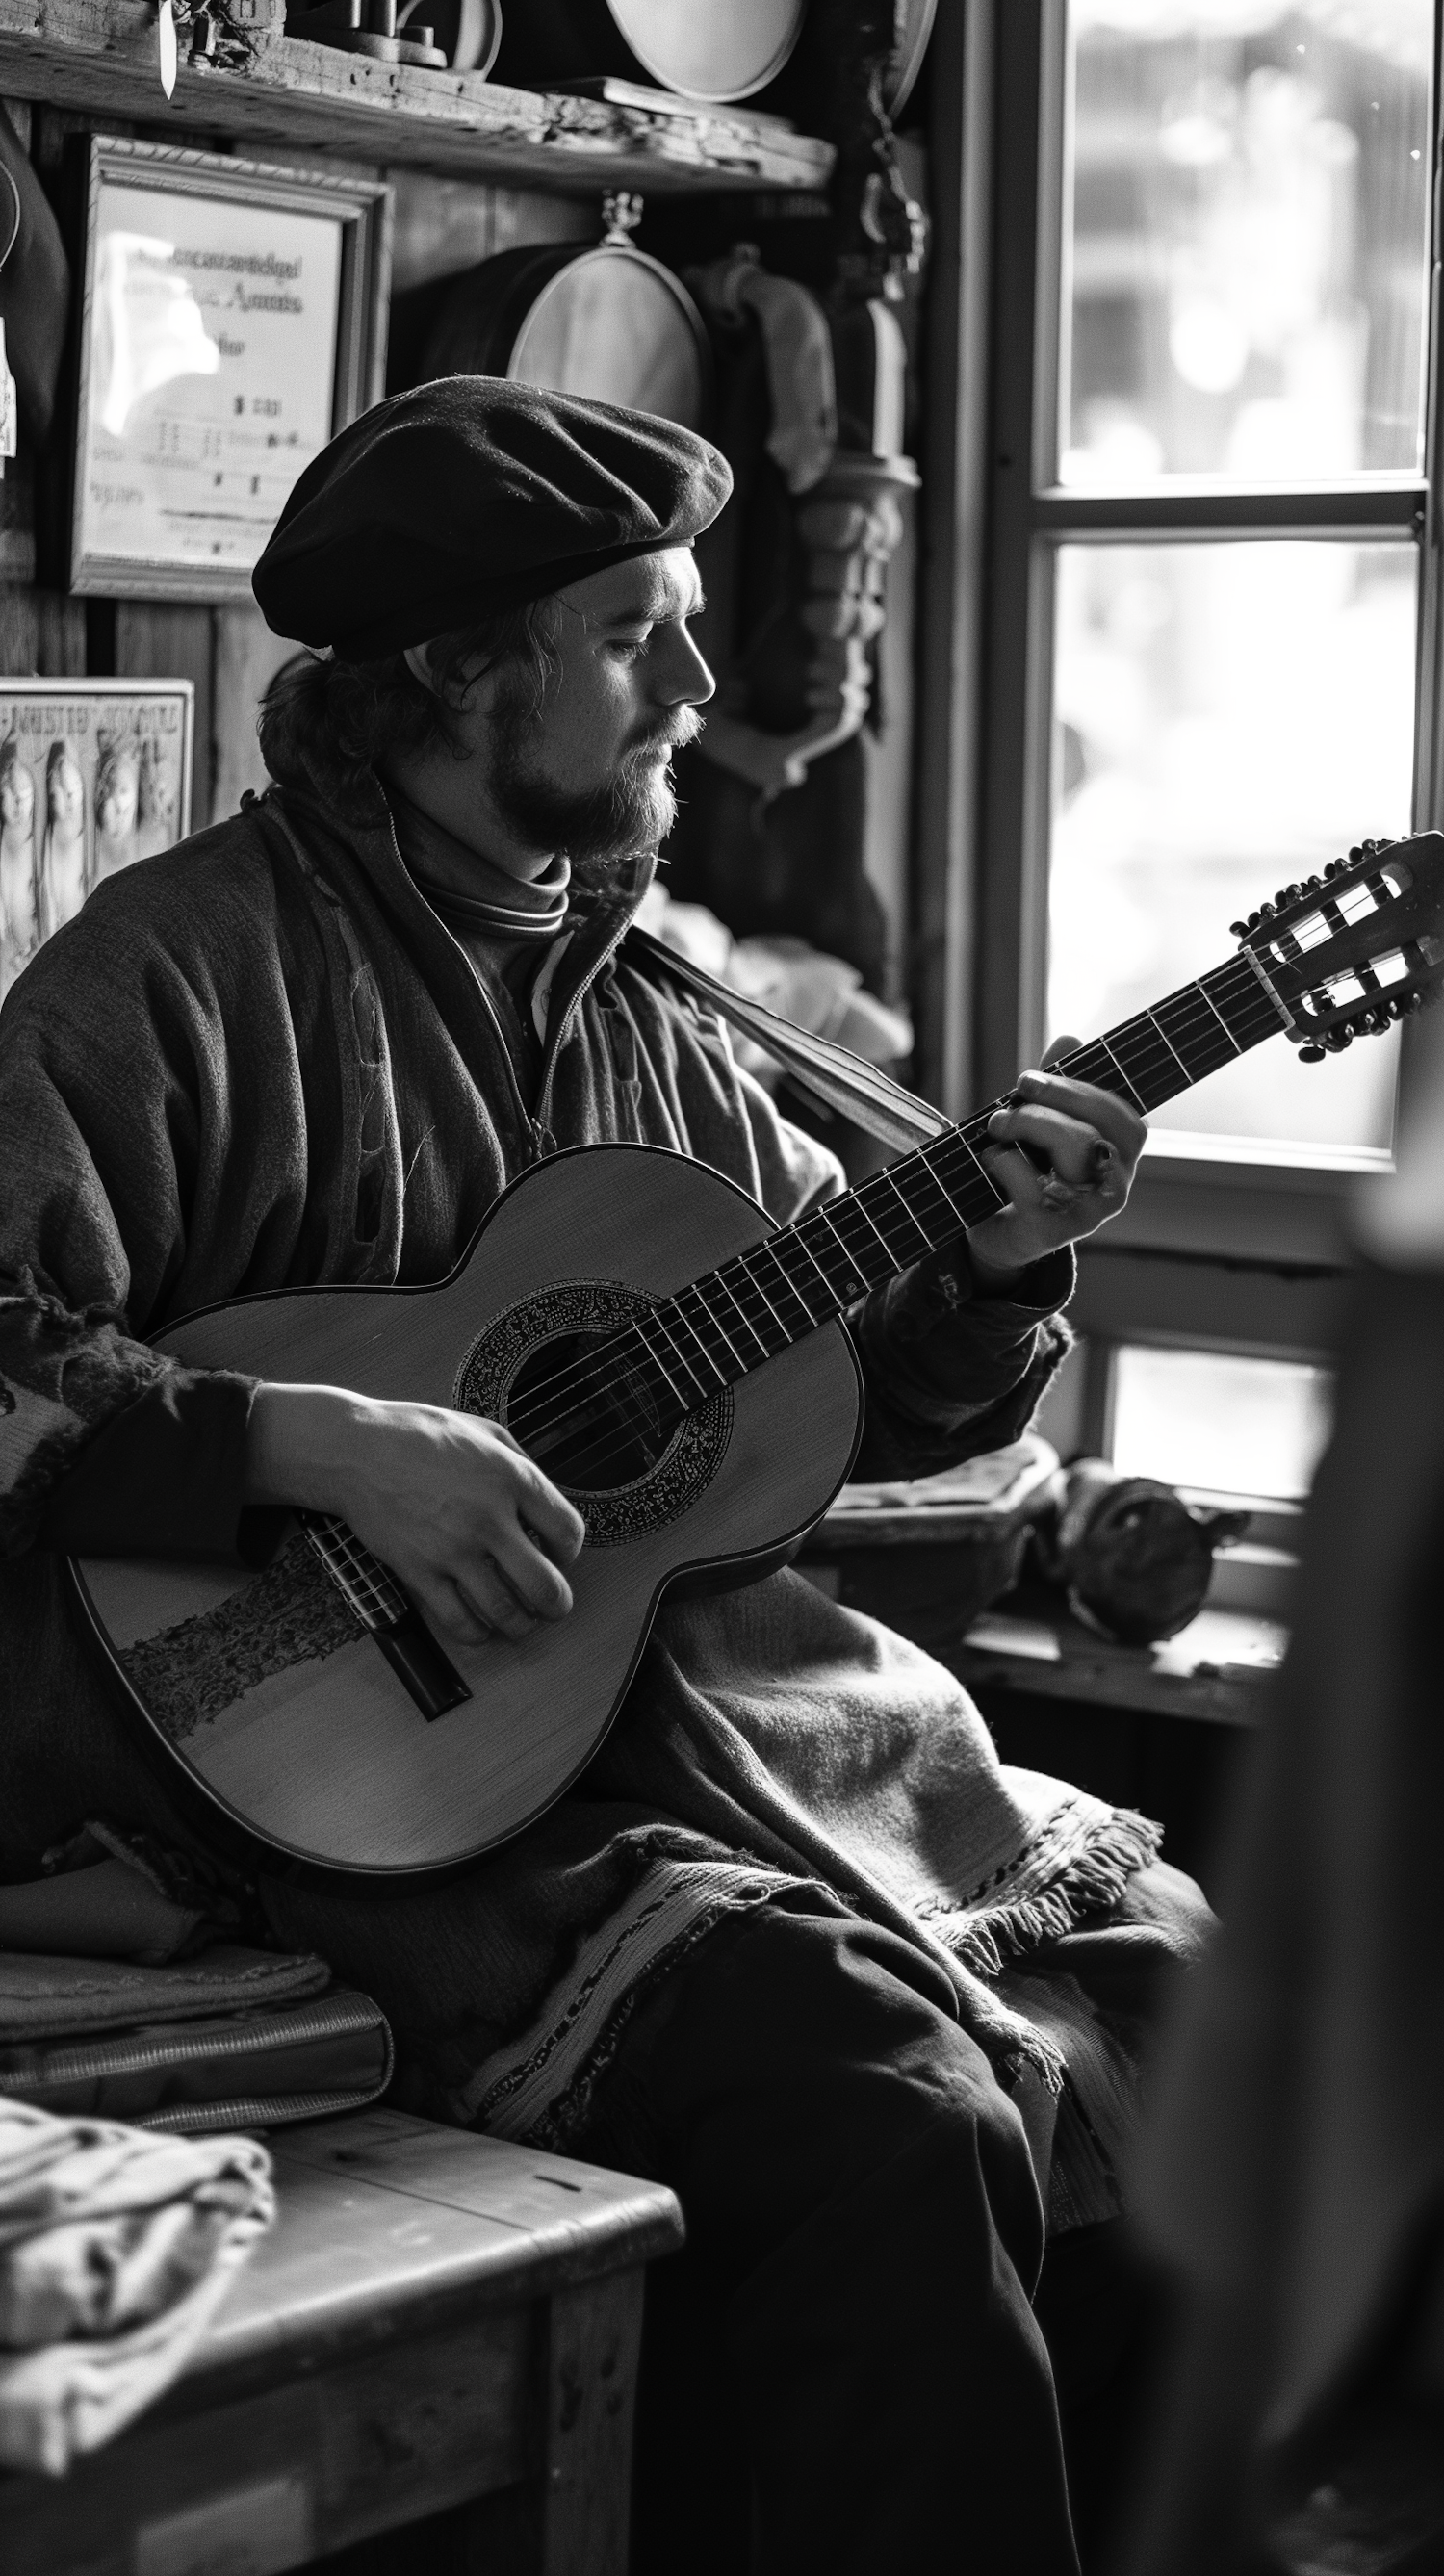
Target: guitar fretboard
681,1352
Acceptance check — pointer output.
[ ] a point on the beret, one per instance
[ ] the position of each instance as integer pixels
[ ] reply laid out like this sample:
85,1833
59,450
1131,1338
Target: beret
471,496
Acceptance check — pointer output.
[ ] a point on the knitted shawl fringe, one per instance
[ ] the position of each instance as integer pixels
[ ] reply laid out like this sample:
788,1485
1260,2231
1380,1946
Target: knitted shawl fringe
1092,1883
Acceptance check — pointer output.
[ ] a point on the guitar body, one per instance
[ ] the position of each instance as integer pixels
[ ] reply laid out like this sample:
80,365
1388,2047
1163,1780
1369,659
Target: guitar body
279,1709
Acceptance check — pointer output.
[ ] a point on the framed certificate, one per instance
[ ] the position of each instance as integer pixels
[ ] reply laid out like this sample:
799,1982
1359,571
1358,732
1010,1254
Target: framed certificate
233,318
94,774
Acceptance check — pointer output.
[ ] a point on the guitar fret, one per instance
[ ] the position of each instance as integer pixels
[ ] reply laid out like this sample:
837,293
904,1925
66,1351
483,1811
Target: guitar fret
658,1315
796,1236
1205,1029
1202,988
744,1264
721,1281
855,1284
658,1363
975,1178
683,1318
1133,1093
885,1179
1172,1049
771,1253
944,1193
866,1215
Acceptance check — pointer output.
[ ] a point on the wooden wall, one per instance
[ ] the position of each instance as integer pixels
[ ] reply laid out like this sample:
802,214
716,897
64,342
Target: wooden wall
228,653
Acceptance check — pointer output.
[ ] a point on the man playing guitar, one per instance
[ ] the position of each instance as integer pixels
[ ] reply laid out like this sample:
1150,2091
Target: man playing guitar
758,1948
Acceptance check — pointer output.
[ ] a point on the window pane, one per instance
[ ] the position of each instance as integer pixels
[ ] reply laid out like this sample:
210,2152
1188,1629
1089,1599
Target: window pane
1246,251
1233,1426
1227,718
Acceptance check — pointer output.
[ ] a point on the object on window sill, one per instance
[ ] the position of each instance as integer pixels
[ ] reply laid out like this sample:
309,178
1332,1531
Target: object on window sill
925,1556
1135,1560
1033,1627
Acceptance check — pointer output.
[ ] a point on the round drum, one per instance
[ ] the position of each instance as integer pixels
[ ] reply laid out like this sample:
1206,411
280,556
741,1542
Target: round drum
711,49
609,324
714,50
917,26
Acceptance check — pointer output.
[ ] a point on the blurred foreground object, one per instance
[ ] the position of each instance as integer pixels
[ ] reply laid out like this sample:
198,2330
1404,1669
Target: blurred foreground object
116,2249
1295,2176
1136,1559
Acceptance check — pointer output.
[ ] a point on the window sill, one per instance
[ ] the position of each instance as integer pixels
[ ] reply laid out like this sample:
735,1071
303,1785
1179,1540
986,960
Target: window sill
1265,1203
1219,1668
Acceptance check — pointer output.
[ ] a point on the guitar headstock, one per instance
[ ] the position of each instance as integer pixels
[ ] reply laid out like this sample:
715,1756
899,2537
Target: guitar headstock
1349,952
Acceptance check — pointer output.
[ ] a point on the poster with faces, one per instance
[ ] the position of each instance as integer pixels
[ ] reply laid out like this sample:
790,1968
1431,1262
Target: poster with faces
94,775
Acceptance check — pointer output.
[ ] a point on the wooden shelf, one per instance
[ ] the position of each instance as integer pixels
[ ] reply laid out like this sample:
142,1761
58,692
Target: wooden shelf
100,56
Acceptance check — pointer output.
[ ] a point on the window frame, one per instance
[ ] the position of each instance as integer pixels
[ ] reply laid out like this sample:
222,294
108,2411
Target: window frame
997,518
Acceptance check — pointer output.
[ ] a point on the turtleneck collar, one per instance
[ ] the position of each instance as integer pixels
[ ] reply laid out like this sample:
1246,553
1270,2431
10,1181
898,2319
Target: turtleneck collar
496,906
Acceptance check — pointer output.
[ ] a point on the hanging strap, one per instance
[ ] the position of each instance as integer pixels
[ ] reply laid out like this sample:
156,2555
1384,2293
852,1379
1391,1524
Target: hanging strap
819,1066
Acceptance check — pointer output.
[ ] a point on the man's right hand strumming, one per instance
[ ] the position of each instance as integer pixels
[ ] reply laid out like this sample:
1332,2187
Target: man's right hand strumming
477,1534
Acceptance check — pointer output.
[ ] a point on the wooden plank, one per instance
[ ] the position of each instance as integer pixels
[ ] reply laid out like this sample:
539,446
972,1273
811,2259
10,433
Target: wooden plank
175,643
1219,1669
565,2221
100,55
289,2472
41,634
594,2346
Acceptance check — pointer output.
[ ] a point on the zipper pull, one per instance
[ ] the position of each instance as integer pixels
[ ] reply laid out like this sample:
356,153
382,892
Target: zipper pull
543,1142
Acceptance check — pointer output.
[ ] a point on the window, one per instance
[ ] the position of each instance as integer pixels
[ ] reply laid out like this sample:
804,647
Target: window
1193,610
1218,1422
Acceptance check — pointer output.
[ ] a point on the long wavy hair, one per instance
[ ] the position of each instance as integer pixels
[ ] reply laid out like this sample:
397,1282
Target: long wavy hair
332,723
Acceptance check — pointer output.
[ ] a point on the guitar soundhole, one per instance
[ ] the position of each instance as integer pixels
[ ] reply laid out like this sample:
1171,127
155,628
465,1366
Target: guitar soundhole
629,1466
590,1434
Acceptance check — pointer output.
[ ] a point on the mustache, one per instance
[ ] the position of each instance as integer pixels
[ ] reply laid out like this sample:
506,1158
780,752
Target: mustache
673,735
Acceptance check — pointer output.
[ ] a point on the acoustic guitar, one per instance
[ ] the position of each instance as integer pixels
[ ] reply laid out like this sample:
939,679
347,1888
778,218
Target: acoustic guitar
678,1365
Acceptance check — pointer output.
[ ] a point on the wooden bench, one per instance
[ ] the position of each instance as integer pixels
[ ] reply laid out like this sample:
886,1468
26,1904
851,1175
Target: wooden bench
434,2319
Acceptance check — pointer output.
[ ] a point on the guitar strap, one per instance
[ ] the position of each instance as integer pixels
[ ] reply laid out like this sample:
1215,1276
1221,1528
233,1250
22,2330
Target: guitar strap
826,1071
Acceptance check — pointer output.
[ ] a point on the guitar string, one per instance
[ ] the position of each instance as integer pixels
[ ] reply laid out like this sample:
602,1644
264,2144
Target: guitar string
1192,1010
1146,1030
573,1374
624,1425
587,1373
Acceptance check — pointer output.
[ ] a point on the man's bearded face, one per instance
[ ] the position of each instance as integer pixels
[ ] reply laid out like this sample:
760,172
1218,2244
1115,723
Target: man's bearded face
599,826
582,763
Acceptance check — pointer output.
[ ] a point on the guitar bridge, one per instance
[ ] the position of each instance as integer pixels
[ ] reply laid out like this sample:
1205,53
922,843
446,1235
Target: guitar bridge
378,1604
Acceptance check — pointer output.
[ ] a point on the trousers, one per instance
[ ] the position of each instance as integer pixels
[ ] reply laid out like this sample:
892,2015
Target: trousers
866,2358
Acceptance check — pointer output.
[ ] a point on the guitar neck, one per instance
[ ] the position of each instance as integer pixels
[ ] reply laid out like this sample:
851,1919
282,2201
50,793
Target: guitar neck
724,1325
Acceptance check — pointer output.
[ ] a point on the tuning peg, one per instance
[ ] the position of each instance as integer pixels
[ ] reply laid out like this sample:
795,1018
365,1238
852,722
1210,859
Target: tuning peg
1337,1039
1312,1054
1287,894
1238,929
1357,852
